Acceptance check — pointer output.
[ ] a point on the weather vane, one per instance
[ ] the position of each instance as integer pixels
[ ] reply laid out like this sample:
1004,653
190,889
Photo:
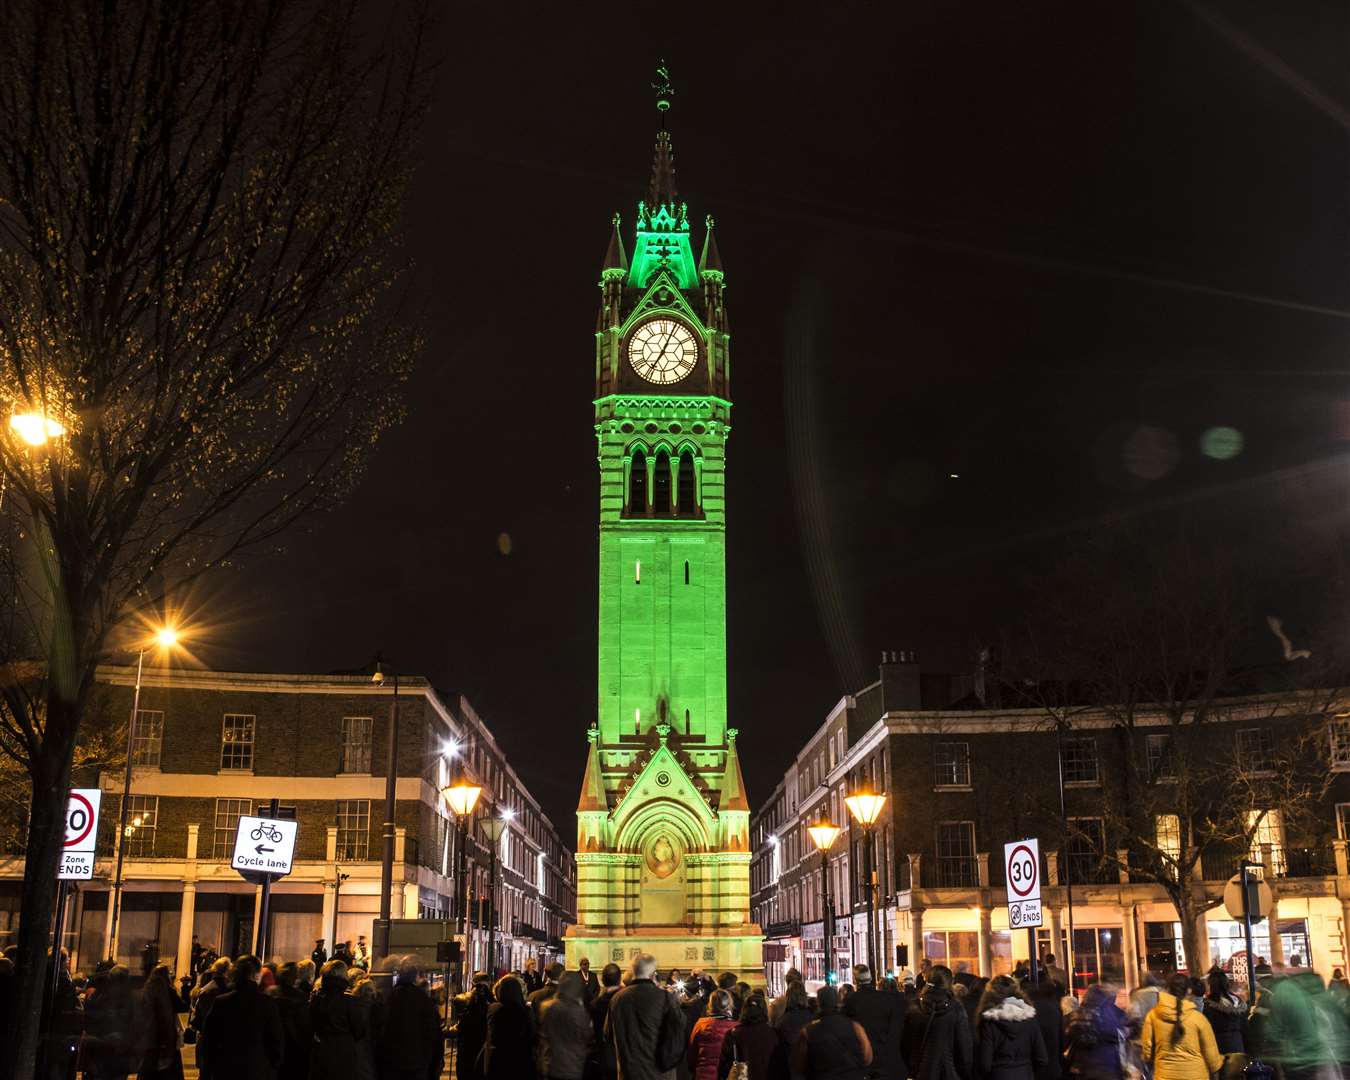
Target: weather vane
663,87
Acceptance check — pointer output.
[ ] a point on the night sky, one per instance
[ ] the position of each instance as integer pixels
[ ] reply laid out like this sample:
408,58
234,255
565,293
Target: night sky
1044,247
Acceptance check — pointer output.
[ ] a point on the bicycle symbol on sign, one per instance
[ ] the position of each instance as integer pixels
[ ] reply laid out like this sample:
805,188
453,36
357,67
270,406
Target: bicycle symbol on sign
268,830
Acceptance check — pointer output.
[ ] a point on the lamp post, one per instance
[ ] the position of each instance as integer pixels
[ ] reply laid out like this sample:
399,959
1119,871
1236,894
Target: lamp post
493,827
866,808
823,835
387,830
462,797
166,637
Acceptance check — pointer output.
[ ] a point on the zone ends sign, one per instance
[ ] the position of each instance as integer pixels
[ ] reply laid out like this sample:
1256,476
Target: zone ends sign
77,854
264,845
1022,861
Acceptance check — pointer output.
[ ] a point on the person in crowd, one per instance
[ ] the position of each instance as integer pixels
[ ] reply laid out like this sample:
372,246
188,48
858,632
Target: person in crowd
606,1065
552,974
1143,997
533,980
792,1019
470,1030
367,1000
215,981
831,1047
1056,973
1010,1045
1338,979
62,1019
183,994
409,1045
1095,1036
242,1035
319,955
962,976
304,977
565,1031
293,1012
882,1016
778,1004
157,1030
846,992
108,1051
508,1049
590,985
753,1041
337,1022
1305,1034
937,1042
1050,1018
639,1015
727,981
1226,1013
705,1041
1176,1041
1263,967
361,957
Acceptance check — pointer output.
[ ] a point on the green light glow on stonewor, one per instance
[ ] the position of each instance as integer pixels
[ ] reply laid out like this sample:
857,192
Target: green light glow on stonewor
662,242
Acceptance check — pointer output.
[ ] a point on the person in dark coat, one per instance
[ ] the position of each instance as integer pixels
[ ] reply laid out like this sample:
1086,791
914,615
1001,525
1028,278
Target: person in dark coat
508,1052
157,1029
636,1016
1045,998
533,980
243,1033
293,1011
937,1041
1095,1036
109,1048
1010,1043
753,1041
552,974
606,1065
565,1031
215,981
792,1018
882,1016
471,1009
590,985
410,1046
831,1047
337,1022
62,1021
1225,1012
319,955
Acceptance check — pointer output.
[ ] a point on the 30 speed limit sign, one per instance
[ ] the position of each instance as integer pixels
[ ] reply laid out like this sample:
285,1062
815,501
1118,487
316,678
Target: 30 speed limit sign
77,855
1022,861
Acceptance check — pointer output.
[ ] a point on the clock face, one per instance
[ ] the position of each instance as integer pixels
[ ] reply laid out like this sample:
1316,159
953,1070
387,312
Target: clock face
663,350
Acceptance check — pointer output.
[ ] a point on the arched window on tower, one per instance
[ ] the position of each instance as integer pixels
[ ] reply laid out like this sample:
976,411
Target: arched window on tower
661,485
637,484
686,721
688,503
686,571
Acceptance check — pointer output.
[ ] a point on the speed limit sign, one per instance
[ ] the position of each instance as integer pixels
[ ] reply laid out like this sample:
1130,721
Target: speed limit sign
77,854
1022,860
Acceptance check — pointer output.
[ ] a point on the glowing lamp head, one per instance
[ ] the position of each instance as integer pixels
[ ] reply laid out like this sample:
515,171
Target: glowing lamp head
35,429
493,828
166,637
823,834
450,748
462,797
378,678
865,807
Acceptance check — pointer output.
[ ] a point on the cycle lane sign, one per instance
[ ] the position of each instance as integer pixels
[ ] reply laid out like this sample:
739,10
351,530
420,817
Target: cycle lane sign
264,845
1022,860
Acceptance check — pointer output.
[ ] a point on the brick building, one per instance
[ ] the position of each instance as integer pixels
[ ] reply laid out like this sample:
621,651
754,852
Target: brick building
210,746
963,778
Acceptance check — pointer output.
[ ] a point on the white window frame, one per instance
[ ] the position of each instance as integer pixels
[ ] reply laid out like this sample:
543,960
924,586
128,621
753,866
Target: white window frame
226,744
222,838
1270,831
139,840
147,739
1343,820
1162,768
1338,738
1096,778
958,767
1267,738
357,843
971,860
1169,840
347,745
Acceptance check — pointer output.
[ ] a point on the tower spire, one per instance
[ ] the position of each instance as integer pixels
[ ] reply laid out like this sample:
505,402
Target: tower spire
661,191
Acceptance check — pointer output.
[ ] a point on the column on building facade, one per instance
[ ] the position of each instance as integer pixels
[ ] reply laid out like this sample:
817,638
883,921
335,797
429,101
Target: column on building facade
108,926
915,938
1129,944
188,911
397,899
329,911
1345,929
408,903
1202,936
986,943
1064,961
1342,861
1276,957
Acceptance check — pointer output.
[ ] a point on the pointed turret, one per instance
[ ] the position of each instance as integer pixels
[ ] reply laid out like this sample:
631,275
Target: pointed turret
616,259
661,190
710,262
592,784
733,783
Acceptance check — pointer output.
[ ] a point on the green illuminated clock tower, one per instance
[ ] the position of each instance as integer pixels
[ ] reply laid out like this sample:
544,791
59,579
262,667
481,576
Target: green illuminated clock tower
663,821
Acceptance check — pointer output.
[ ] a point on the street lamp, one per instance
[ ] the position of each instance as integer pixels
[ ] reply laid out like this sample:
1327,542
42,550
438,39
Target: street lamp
493,827
387,829
164,639
866,808
823,834
463,797
35,428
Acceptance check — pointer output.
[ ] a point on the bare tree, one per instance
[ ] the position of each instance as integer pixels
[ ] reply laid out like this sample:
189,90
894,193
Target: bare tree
198,211
1155,638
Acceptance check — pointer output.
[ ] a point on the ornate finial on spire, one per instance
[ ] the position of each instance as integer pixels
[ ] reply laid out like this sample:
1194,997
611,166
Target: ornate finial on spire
661,191
663,733
664,89
616,259
710,263
593,732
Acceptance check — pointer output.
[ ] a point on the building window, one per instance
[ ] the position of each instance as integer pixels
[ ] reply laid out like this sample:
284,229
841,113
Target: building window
357,732
1079,760
1267,827
353,829
1255,750
147,738
236,741
1167,836
142,817
1086,850
687,490
228,813
637,489
686,571
1340,742
951,763
637,572
661,485
1343,820
956,854
1160,766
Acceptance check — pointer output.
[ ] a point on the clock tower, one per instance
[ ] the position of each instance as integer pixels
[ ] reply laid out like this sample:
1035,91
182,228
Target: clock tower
663,821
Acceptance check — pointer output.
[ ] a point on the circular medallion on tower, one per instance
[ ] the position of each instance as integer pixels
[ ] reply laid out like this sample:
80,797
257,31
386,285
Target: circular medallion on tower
663,779
662,858
663,350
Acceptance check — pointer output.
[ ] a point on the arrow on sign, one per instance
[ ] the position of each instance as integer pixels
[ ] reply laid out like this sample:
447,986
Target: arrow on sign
260,849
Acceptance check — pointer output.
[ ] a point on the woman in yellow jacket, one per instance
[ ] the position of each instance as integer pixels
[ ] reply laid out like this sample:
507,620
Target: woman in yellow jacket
1177,1039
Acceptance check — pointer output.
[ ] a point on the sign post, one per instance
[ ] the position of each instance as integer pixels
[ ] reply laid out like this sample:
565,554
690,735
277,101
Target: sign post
264,848
77,860
1249,899
1022,862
